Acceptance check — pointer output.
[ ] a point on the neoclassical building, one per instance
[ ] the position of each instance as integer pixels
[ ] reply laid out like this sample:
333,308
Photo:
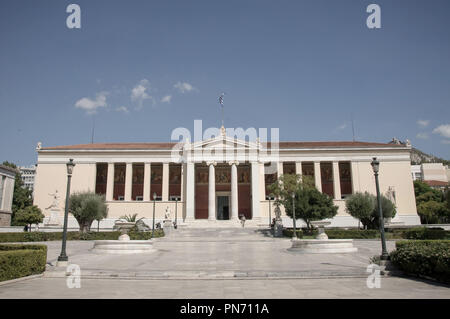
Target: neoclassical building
219,179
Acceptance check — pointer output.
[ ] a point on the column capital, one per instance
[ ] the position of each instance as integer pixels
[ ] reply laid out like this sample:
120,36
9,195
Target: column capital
213,163
233,163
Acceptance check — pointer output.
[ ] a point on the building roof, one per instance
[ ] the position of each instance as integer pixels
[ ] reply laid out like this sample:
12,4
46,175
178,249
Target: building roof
169,145
434,183
9,169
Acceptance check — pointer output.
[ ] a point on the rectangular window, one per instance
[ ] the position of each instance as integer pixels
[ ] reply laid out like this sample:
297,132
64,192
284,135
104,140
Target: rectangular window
308,171
289,168
156,181
101,179
345,177
137,189
326,172
119,181
270,177
174,182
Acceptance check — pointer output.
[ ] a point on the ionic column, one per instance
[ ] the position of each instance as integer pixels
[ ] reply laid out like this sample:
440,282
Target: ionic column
212,191
255,191
234,190
147,181
336,181
317,176
110,182
298,168
128,181
279,169
190,191
165,182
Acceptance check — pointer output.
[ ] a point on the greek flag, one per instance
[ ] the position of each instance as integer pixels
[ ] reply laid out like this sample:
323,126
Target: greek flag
221,99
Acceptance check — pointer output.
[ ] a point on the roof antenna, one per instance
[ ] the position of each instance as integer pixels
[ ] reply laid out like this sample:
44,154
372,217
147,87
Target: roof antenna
353,127
93,129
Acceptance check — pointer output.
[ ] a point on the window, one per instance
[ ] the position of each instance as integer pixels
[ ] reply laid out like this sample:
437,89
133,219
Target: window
289,168
156,181
174,181
326,172
119,181
345,178
101,179
270,177
137,189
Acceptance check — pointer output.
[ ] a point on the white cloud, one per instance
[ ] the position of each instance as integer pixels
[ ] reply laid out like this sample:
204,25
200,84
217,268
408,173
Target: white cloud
422,136
166,99
423,123
139,92
443,130
341,127
184,87
90,105
123,109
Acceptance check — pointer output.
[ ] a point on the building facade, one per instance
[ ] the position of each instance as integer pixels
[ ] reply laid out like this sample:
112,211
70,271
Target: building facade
217,180
434,174
27,176
7,180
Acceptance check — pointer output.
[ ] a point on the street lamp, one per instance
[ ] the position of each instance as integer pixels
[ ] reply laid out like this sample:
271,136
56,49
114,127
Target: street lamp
270,210
176,211
62,258
154,202
376,167
294,236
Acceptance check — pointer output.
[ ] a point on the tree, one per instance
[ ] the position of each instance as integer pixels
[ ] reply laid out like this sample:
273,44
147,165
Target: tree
22,197
29,215
358,206
310,204
361,206
432,212
87,207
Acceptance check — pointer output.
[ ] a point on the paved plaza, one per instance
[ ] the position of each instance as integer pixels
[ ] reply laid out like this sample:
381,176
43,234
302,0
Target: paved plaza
220,263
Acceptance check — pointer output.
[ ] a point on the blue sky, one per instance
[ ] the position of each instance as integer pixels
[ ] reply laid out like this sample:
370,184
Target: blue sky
302,66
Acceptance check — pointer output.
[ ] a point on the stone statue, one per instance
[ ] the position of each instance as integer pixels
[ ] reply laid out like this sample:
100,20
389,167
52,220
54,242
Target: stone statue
167,214
39,146
277,213
55,203
278,226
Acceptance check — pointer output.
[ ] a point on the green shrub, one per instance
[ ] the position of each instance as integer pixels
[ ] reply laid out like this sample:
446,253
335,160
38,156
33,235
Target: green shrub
21,260
47,236
288,232
423,233
430,258
352,233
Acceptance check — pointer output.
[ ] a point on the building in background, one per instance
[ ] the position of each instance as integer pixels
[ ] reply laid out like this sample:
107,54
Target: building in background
7,180
434,174
27,174
207,188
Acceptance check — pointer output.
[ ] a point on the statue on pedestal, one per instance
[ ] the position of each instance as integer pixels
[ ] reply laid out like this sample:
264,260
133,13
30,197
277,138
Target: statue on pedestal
278,226
54,210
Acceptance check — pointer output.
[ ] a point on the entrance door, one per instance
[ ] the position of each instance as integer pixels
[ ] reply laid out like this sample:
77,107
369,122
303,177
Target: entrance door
223,208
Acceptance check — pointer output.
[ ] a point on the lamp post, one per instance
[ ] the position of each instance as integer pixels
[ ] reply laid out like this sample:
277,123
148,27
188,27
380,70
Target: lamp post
294,236
62,258
376,167
176,212
154,202
270,210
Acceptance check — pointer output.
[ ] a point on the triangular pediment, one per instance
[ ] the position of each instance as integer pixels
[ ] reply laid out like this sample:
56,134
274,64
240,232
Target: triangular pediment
224,142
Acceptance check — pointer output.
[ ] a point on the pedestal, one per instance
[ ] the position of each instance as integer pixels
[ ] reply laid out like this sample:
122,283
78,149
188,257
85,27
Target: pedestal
54,219
278,229
167,227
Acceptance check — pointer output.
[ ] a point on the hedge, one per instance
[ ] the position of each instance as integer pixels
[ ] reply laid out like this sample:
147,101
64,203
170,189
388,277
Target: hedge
47,236
21,260
288,232
420,233
424,258
426,233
